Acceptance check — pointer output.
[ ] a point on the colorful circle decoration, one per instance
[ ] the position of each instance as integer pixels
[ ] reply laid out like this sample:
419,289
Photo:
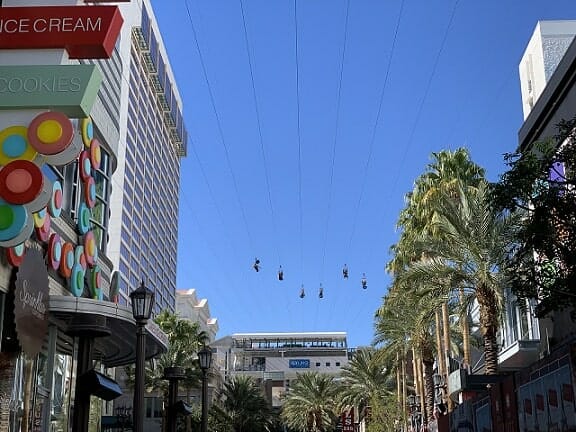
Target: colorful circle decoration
95,154
14,145
67,155
13,220
21,181
77,280
50,133
39,218
55,203
22,236
85,165
87,129
90,192
41,200
90,248
43,233
15,254
80,257
54,251
96,283
114,287
84,215
67,260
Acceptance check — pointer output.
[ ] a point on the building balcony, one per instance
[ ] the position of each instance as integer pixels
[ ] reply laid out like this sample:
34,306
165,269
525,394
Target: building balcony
519,354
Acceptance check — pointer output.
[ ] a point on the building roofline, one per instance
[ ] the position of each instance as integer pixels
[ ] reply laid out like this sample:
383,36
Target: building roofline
556,103
290,335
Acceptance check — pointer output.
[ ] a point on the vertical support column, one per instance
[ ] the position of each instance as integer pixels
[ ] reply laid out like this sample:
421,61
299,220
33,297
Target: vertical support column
172,397
138,407
81,412
204,401
52,337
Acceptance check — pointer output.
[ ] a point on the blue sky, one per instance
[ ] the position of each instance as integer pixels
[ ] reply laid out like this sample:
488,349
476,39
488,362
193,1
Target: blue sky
324,183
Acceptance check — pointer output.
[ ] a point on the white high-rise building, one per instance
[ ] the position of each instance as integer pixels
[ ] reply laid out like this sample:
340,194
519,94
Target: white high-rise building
143,228
545,49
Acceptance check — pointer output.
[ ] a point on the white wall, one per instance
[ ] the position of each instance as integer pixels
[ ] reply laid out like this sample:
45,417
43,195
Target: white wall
545,50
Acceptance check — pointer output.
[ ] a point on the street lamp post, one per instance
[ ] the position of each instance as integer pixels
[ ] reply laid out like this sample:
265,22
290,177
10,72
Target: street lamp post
142,303
205,358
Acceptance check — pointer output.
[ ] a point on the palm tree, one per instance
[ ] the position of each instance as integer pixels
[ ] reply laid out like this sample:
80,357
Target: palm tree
185,339
470,250
311,403
444,178
243,407
403,323
365,381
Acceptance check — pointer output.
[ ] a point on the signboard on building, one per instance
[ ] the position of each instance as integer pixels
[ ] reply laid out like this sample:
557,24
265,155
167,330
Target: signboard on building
70,89
348,421
31,302
299,364
85,32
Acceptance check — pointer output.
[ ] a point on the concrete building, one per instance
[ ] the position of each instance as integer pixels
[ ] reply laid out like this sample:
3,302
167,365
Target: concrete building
545,49
275,359
190,308
145,194
50,86
536,384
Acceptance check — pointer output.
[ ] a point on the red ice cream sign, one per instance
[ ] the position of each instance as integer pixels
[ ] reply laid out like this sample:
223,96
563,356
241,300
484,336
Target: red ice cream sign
84,31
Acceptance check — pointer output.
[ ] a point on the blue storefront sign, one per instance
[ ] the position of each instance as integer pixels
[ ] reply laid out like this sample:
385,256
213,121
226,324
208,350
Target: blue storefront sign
299,364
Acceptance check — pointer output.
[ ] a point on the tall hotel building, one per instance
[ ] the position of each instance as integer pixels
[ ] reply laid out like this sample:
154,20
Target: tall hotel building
104,199
143,226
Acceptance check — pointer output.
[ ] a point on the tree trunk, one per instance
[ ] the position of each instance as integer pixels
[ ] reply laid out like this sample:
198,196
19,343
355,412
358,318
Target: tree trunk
415,371
439,350
489,328
421,390
445,357
403,411
429,388
465,331
398,382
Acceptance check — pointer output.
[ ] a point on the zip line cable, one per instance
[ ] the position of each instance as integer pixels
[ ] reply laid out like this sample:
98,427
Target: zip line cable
331,183
211,193
213,286
338,100
424,96
219,125
262,148
375,127
373,136
299,139
259,124
420,107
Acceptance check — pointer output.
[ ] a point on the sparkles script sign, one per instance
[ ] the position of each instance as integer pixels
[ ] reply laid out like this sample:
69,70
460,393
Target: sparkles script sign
31,302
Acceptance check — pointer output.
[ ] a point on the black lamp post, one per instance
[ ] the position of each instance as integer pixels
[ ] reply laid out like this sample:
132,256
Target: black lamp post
142,303
205,358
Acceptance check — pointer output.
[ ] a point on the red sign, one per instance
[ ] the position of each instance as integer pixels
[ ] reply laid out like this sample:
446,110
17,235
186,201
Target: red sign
348,421
84,31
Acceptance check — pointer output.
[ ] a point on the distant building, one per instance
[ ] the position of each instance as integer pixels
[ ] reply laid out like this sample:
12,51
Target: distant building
546,48
275,359
190,308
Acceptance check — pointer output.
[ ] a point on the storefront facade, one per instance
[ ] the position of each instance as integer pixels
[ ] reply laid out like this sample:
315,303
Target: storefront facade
60,325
